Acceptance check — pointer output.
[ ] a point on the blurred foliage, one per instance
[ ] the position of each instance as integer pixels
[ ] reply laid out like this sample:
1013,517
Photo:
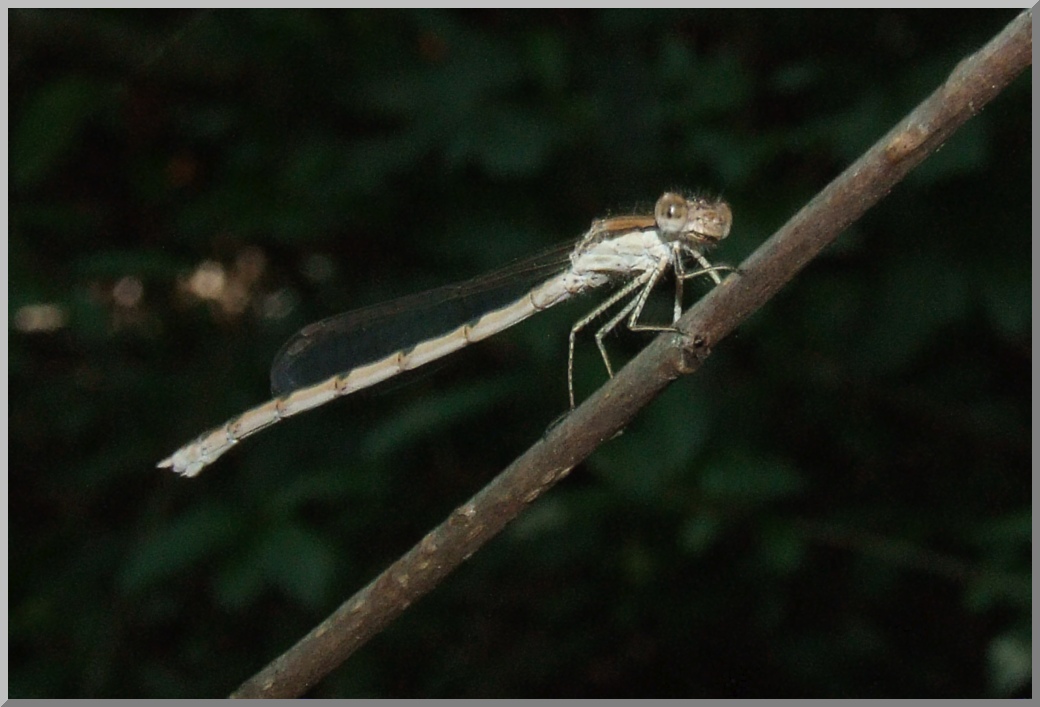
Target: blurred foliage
837,505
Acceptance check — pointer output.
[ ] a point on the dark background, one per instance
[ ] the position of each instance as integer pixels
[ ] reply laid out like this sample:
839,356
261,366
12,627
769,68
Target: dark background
838,504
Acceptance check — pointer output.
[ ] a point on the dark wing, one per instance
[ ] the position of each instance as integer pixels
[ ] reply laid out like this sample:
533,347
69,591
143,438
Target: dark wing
343,342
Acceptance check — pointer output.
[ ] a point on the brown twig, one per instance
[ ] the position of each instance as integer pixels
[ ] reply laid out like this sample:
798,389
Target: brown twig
975,81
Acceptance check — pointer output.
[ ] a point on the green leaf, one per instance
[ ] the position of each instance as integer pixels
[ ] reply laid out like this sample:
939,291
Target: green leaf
50,125
189,540
915,301
751,481
1010,658
425,418
700,532
646,459
299,562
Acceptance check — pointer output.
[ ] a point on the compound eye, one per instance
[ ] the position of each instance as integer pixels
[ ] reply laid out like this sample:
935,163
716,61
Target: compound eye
670,213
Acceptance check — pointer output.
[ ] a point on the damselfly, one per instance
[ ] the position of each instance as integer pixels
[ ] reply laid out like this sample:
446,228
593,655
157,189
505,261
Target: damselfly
345,353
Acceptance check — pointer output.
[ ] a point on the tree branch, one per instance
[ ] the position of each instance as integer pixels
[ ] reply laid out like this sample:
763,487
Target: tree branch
971,85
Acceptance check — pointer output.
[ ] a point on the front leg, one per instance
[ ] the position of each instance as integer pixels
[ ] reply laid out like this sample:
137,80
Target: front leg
706,269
